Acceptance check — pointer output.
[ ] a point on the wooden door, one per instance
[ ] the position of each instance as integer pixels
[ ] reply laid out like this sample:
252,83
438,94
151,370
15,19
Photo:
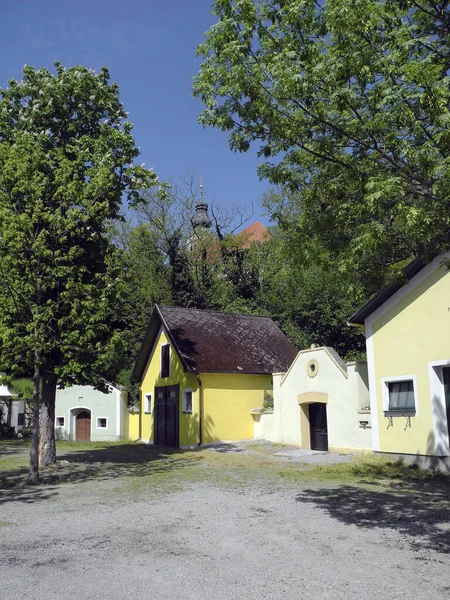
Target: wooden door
318,426
166,421
84,426
446,379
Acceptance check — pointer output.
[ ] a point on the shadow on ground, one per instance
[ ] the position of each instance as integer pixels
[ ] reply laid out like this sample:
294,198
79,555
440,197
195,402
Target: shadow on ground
126,460
14,448
223,448
418,509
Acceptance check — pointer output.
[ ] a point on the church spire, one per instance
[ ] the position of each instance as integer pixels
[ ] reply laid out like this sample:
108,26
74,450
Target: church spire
201,218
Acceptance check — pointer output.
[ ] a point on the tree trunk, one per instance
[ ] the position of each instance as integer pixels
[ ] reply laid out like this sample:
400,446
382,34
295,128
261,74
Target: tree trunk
33,474
47,446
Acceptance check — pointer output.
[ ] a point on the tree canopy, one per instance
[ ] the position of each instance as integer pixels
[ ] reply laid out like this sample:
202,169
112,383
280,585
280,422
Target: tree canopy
66,164
348,102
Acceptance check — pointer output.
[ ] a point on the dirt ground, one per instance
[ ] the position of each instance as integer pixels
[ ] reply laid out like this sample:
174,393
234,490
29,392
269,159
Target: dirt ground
231,522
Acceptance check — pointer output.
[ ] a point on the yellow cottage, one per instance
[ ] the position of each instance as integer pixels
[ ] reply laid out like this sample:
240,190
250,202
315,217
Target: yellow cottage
407,330
201,372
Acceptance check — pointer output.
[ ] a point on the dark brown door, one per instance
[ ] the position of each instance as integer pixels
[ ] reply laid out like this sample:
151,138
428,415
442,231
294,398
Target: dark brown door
446,378
166,416
318,426
84,426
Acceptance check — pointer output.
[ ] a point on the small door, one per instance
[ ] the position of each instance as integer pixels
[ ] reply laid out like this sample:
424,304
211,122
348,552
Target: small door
84,426
318,426
166,421
446,379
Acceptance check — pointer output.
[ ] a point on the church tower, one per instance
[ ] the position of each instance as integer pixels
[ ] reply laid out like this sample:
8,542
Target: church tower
201,220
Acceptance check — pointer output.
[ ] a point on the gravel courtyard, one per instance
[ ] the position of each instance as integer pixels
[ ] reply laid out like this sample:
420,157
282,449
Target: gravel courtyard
244,521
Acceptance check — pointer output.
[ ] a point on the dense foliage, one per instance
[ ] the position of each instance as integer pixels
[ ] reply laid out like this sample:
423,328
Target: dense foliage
348,102
214,269
66,164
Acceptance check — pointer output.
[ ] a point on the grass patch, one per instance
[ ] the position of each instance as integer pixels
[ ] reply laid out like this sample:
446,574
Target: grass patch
371,469
137,467
6,524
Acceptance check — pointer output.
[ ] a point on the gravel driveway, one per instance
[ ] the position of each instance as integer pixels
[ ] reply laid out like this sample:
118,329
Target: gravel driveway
218,535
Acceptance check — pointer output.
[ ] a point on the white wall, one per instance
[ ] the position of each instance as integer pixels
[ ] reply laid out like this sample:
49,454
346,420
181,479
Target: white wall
264,426
347,391
112,406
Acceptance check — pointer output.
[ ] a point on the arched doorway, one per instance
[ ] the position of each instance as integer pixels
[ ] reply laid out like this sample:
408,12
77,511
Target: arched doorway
83,426
318,426
313,420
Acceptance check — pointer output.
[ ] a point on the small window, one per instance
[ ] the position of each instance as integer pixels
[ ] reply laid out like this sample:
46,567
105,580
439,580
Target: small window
60,421
187,401
148,403
20,419
102,422
165,361
401,395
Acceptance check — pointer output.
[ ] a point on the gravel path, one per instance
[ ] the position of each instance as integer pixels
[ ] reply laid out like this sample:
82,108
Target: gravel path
112,539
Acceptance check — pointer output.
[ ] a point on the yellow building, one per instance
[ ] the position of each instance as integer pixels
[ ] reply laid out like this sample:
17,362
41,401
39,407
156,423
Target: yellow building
407,331
201,372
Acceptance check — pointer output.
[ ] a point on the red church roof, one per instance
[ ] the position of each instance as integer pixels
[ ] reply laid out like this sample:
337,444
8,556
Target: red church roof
256,232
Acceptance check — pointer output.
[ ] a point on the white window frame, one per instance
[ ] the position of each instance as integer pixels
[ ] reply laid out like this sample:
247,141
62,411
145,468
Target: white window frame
97,425
161,360
183,401
437,395
148,404
385,395
63,421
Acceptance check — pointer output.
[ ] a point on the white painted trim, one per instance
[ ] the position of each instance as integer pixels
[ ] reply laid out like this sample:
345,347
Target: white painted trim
79,409
372,389
160,359
438,407
308,350
385,381
407,288
368,324
183,401
97,420
118,412
148,412
152,352
60,417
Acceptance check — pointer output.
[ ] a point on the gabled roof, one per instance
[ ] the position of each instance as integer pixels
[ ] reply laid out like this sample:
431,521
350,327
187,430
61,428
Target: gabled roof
336,359
256,232
214,342
359,316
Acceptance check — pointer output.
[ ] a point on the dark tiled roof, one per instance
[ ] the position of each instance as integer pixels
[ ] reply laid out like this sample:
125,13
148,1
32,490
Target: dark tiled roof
215,342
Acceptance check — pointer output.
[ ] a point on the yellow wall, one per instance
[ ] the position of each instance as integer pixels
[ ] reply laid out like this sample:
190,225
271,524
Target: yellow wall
131,426
152,378
405,338
227,400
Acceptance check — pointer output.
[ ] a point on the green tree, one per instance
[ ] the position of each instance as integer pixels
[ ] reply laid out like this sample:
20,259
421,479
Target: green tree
145,282
145,276
66,164
310,303
348,102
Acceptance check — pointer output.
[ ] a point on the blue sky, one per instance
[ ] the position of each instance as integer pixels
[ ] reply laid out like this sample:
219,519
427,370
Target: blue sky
149,48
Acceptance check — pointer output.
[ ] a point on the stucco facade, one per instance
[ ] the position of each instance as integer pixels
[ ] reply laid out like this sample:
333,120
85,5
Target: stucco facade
202,371
12,411
226,400
408,339
188,422
105,415
319,377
